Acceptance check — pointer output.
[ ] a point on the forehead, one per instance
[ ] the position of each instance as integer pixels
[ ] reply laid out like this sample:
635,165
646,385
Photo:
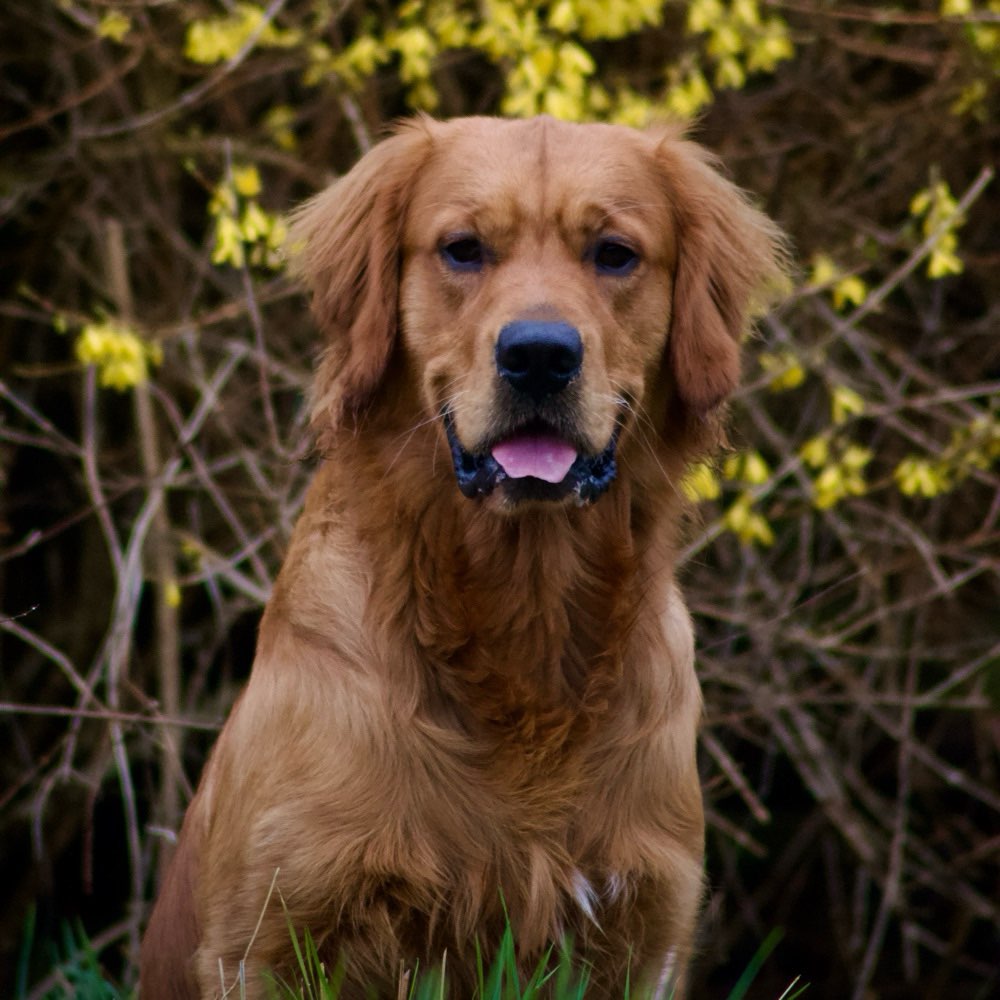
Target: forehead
502,174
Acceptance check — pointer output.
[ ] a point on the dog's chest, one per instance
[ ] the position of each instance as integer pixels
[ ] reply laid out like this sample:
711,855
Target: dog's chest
514,845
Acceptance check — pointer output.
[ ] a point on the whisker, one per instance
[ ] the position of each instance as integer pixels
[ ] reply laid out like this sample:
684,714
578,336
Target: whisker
407,435
644,425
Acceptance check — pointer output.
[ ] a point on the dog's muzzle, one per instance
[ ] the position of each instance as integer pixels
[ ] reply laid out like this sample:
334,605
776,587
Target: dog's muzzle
537,362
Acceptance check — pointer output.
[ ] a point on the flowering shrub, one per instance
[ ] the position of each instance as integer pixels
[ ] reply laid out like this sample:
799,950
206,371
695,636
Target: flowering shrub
840,554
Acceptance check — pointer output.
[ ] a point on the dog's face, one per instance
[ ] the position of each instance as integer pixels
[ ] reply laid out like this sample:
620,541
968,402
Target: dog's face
537,273
546,286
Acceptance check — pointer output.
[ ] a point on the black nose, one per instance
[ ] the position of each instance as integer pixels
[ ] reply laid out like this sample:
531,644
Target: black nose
539,359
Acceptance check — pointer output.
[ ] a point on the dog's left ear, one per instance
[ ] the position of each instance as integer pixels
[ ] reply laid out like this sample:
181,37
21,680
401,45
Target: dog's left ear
345,244
729,256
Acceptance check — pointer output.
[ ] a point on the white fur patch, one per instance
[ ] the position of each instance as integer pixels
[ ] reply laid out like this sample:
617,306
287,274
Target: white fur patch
585,896
614,887
666,980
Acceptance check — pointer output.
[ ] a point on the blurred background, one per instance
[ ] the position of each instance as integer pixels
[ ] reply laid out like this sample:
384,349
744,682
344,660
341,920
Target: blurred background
843,554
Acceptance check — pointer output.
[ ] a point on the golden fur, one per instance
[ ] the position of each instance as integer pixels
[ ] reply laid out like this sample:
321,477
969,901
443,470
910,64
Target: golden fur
461,706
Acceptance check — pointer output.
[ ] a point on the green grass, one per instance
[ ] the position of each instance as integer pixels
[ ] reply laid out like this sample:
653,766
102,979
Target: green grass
76,973
75,970
559,979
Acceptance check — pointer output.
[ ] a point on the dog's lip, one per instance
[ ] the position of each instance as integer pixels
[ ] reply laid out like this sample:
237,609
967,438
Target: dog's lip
586,476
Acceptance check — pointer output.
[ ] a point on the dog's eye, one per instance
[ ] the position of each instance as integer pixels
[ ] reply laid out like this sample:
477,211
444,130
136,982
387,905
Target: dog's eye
464,254
613,257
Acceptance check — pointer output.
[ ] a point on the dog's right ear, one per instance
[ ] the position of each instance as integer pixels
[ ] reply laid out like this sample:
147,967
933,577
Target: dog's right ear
730,258
345,243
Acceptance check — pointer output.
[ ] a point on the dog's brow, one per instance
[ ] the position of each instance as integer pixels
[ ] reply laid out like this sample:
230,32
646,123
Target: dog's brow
494,218
624,217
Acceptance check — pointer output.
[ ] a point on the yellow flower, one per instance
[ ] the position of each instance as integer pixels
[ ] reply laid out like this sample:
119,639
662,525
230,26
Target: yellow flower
748,467
855,458
849,291
631,108
539,66
842,479
920,477
824,271
770,48
616,18
687,98
277,233
844,404
575,61
943,261
219,39
971,100
360,59
701,483
829,487
703,14
279,122
986,37
562,104
119,353
980,441
920,203
563,17
816,451
114,25
784,369
747,524
192,552
228,242
746,12
846,289
246,181
416,49
725,40
223,200
507,32
730,73
422,94
209,42
243,229
172,595
939,214
520,102
255,222
451,31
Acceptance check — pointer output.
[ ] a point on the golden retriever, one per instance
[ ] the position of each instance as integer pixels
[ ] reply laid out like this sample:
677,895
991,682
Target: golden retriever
474,695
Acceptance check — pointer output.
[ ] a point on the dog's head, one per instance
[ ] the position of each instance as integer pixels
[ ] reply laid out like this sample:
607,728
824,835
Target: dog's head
545,287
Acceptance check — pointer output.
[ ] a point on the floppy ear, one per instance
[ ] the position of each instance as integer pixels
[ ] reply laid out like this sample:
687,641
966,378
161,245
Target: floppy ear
346,246
729,255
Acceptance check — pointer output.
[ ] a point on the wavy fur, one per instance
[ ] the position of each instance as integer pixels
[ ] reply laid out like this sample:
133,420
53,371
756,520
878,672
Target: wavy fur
461,708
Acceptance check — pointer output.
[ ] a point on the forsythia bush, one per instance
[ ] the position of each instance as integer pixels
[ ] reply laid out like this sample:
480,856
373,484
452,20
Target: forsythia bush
841,556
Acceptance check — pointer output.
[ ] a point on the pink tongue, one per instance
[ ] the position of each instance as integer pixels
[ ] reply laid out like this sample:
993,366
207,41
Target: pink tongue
541,456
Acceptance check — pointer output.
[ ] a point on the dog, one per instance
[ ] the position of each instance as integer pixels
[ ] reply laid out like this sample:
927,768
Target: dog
474,699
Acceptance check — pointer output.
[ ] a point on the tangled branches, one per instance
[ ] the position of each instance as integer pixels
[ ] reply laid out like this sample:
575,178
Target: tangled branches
842,562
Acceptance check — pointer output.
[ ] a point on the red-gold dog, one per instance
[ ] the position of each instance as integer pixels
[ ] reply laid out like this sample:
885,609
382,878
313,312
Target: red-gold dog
474,690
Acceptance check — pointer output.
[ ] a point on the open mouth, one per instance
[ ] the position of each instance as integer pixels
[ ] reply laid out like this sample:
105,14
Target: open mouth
533,462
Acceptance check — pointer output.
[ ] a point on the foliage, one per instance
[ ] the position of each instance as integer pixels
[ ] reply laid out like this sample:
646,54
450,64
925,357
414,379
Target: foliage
75,969
77,975
841,559
557,976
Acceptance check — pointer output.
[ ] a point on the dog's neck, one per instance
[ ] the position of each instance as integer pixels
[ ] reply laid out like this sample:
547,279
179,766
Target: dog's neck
524,619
